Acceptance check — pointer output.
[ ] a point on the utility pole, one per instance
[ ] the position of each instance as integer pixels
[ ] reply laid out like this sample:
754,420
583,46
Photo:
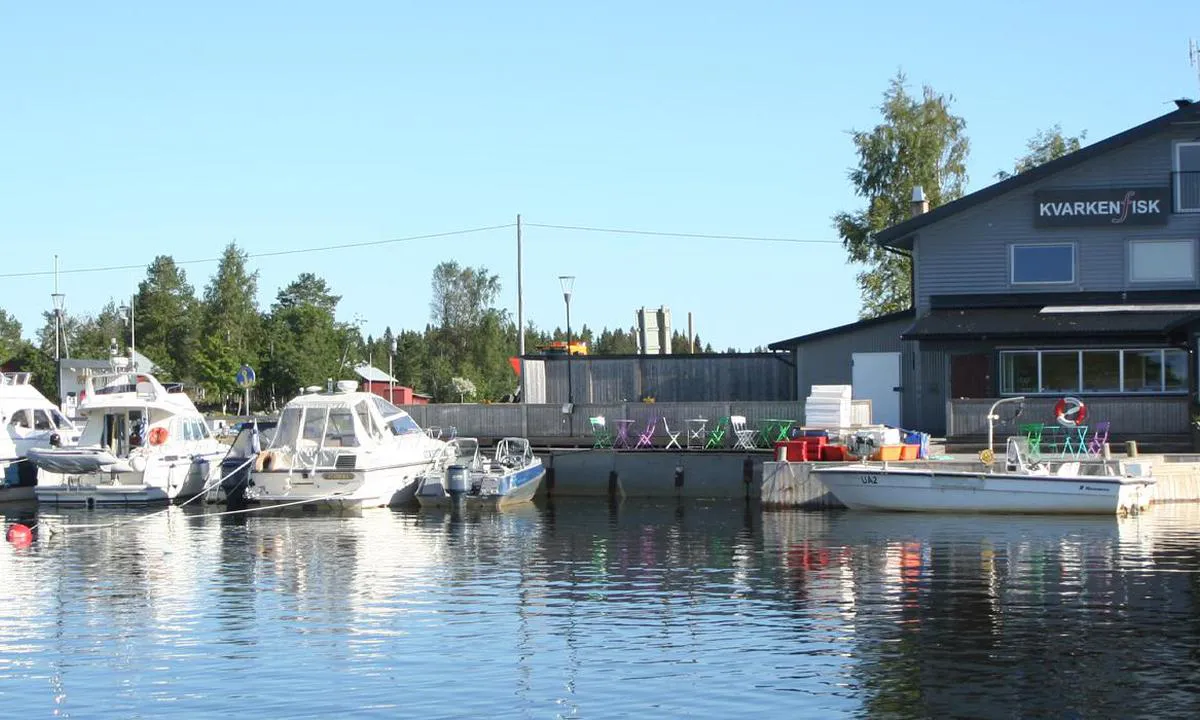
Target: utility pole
520,314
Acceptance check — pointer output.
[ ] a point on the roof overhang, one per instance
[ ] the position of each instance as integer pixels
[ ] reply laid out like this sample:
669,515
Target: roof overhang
1052,323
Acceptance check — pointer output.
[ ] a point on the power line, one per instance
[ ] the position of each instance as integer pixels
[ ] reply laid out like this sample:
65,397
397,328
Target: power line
273,253
434,236
701,236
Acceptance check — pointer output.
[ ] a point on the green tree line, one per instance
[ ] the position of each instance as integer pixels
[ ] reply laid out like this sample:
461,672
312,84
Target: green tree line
202,340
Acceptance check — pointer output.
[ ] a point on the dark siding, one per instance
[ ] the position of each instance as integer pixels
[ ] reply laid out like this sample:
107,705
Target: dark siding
758,377
968,253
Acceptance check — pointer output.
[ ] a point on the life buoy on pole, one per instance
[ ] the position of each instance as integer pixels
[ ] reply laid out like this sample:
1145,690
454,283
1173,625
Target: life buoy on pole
158,435
1070,411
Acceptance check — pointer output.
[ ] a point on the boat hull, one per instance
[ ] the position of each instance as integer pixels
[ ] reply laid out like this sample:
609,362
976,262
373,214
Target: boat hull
522,487
163,481
383,487
916,490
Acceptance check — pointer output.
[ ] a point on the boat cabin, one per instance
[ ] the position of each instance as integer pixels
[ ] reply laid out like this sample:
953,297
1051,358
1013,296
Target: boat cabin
319,425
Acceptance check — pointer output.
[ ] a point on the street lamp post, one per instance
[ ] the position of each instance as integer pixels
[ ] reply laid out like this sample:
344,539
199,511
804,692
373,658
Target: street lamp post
391,379
568,284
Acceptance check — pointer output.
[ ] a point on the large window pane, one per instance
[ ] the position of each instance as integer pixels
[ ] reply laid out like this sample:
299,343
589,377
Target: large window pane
1043,263
1162,260
1018,372
1143,371
1101,371
1060,371
1175,370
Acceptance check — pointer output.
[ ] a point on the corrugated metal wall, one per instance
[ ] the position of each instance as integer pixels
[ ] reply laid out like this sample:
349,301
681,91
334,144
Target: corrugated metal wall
744,377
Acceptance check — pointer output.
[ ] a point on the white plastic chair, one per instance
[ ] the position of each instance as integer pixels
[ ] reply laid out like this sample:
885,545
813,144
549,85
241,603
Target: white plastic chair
673,435
743,436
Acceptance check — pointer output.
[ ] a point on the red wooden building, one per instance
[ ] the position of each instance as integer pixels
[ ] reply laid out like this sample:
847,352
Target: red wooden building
385,386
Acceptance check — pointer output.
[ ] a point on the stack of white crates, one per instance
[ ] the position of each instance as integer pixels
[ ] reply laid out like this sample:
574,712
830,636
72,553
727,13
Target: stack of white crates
828,407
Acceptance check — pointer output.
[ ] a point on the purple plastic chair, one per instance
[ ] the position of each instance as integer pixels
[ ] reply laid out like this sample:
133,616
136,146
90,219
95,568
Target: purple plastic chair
1099,437
646,437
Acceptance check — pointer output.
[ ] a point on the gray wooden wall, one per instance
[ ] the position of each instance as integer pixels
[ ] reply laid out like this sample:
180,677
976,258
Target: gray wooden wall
740,377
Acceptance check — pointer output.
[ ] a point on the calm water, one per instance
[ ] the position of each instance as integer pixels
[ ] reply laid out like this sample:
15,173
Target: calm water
583,609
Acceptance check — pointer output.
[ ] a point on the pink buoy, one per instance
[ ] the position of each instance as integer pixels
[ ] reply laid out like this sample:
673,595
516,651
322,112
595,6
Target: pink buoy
20,535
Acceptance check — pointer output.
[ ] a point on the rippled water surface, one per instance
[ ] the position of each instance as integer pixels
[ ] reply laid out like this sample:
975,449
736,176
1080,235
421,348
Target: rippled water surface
584,609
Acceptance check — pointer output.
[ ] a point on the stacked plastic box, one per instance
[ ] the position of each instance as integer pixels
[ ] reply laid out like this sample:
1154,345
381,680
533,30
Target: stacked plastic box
828,406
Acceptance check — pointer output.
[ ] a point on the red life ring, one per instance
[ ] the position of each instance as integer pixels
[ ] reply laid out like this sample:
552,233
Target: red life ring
1070,412
158,435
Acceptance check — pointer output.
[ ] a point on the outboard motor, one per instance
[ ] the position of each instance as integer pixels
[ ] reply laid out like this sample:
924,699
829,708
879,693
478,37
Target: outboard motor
458,480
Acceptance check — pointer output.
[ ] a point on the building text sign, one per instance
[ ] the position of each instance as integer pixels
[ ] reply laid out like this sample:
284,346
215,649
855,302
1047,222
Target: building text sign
1102,207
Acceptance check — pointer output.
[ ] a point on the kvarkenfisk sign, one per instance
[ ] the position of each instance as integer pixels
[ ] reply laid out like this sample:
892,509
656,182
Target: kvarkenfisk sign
1104,207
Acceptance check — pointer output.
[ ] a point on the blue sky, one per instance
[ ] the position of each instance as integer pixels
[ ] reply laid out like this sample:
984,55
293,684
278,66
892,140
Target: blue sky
133,129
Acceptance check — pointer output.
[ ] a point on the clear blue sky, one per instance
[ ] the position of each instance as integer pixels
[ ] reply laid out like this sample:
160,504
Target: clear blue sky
132,129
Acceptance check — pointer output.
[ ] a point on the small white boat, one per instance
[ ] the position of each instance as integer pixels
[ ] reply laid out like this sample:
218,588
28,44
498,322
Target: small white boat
511,476
342,448
30,421
140,444
1020,486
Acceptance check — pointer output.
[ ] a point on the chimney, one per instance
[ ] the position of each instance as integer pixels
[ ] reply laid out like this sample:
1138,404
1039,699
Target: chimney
919,205
1181,103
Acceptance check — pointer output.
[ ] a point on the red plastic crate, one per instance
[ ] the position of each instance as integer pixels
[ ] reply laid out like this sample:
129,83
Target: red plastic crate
794,450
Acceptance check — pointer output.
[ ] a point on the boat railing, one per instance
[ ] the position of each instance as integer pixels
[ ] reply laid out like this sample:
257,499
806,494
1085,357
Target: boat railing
16,378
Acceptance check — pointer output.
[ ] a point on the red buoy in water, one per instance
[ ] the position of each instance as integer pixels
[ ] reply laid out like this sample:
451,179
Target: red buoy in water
20,535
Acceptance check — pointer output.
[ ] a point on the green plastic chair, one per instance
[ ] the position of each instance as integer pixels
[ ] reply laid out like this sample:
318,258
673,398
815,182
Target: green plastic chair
716,436
1033,431
601,435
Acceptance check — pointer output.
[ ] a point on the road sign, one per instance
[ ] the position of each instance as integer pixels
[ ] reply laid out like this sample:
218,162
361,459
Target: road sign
245,376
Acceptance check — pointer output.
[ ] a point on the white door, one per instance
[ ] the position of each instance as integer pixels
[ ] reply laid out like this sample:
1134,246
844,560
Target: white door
876,377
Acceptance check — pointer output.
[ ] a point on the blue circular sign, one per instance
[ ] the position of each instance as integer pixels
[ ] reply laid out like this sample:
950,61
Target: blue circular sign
245,376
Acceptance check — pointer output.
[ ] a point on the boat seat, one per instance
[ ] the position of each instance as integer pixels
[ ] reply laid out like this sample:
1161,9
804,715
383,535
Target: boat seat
1068,468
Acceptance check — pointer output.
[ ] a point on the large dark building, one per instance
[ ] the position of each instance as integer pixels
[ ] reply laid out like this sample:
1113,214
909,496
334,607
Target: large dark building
1078,277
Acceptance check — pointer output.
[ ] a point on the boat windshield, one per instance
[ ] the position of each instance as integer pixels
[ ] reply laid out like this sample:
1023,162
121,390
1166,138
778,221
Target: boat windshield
399,421
288,428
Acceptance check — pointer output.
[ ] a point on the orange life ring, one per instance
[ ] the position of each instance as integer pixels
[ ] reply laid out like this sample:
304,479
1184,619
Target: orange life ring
158,435
1070,411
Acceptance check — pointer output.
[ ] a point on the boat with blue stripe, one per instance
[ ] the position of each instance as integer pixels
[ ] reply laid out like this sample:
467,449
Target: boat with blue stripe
466,476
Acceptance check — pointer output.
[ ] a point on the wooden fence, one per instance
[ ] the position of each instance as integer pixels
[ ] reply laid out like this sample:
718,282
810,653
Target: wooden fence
1131,417
549,422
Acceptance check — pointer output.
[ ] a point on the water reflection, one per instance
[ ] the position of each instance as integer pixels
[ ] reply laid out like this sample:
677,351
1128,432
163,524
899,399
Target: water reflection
582,608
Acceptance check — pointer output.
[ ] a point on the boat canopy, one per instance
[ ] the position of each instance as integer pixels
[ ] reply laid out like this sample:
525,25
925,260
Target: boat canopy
340,421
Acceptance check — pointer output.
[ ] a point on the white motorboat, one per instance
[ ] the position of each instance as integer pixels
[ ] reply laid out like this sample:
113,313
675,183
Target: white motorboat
30,421
140,444
511,476
1021,485
344,448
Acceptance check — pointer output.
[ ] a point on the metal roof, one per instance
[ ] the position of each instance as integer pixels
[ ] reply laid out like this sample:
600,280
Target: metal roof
373,374
1018,323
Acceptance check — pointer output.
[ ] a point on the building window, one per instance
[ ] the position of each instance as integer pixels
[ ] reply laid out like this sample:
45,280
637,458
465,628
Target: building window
1162,261
1142,370
1040,264
1155,371
1018,372
1187,177
1101,371
1060,371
